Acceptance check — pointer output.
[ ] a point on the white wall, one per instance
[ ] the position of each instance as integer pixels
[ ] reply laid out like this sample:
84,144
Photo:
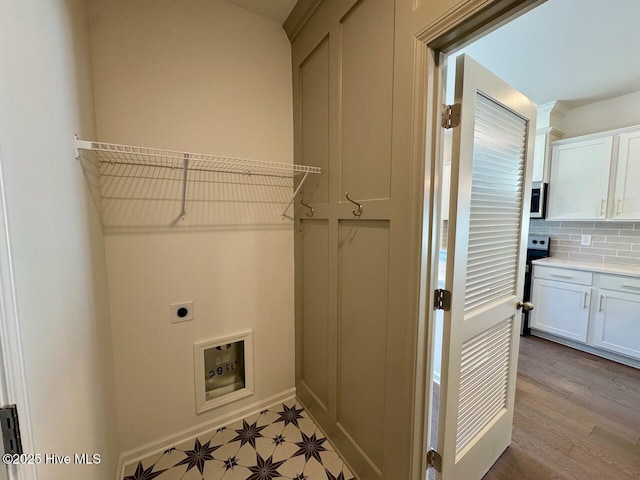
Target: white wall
202,76
618,112
57,245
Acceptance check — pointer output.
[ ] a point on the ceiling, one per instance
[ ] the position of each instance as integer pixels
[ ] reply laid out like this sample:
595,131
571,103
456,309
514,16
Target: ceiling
576,51
276,10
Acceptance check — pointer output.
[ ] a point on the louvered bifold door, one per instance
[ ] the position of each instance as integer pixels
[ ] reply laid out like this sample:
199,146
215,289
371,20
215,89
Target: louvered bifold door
488,222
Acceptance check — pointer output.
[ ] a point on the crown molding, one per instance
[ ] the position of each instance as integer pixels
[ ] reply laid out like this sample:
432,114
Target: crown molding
551,131
556,108
299,16
550,114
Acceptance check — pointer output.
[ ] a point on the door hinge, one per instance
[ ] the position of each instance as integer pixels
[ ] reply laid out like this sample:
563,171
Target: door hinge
434,460
451,115
11,430
442,300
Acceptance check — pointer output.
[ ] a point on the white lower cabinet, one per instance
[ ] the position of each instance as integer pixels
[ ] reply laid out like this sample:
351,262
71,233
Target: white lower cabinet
595,309
561,309
617,323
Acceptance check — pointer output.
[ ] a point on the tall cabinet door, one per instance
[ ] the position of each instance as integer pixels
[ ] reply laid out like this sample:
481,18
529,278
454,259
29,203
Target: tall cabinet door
579,184
353,259
627,193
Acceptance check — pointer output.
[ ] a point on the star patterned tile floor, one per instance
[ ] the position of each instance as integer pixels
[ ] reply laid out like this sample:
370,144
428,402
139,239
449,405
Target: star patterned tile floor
279,443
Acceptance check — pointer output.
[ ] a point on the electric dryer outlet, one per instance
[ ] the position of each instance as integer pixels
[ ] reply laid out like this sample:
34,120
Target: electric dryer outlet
181,312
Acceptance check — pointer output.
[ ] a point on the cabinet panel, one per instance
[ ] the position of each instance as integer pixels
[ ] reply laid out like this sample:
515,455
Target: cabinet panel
314,121
579,183
314,371
627,193
362,331
617,323
561,309
539,157
367,84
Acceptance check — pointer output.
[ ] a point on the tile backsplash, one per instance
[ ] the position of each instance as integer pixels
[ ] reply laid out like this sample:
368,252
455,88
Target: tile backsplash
611,242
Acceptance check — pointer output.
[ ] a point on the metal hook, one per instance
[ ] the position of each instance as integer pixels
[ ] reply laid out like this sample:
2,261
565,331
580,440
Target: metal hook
357,212
311,209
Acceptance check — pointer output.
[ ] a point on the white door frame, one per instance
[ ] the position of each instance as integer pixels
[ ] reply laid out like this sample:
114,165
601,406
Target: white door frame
431,44
13,386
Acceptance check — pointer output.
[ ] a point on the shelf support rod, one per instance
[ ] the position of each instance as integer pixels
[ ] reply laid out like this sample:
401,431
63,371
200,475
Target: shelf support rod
293,197
80,145
185,169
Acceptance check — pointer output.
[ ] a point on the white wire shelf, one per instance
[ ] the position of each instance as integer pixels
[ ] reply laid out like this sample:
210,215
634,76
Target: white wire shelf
115,154
152,157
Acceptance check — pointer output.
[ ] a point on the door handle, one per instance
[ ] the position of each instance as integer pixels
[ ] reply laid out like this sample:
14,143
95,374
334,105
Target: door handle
524,306
603,208
586,300
600,307
618,202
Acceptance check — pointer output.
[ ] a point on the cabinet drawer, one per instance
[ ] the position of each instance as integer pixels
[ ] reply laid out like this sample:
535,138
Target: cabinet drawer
563,275
622,284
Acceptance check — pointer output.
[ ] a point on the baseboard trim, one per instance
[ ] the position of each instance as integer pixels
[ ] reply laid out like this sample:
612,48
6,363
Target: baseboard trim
614,357
158,446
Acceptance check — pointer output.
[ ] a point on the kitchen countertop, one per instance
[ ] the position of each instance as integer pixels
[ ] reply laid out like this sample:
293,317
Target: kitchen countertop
613,268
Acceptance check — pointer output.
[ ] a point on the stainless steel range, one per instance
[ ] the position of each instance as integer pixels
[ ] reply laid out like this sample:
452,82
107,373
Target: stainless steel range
537,247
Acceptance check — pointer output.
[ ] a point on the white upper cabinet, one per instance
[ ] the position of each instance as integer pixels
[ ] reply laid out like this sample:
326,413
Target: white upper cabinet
579,183
626,197
539,158
595,177
548,129
542,153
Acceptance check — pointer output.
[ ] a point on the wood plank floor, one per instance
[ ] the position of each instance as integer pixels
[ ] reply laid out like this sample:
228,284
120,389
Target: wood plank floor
577,417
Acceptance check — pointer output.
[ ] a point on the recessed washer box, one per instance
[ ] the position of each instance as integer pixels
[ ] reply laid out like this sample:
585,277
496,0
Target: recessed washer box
223,370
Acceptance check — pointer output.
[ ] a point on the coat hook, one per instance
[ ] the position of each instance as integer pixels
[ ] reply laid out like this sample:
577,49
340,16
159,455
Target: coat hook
356,211
309,207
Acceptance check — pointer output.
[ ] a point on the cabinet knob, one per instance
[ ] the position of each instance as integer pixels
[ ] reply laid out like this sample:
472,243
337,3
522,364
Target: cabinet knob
526,306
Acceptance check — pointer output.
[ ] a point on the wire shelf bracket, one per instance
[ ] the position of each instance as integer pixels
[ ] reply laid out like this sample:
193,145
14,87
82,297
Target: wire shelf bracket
112,153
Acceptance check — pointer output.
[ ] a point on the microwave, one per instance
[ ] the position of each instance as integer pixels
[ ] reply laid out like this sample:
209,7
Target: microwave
539,200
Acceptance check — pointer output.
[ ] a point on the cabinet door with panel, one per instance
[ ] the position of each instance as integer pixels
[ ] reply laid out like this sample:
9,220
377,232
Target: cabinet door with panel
617,322
353,264
561,309
627,193
579,183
